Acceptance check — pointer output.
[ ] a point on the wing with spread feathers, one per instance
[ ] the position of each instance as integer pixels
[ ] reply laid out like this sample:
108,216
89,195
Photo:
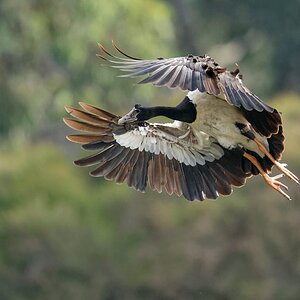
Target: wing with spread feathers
161,156
188,73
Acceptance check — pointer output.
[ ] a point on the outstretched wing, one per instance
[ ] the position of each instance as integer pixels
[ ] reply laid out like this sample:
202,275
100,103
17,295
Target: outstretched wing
189,73
162,156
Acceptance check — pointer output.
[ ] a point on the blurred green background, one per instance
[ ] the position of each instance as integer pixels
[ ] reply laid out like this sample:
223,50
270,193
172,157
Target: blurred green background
65,235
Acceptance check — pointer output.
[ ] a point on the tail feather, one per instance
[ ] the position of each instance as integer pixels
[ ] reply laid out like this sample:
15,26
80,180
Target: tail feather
88,117
99,112
84,138
86,127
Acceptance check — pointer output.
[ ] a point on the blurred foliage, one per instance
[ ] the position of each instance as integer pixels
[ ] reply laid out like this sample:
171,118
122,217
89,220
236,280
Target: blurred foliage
263,36
64,235
67,236
47,54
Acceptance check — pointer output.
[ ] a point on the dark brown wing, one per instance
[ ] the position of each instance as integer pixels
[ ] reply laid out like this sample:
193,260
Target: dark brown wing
189,73
264,119
142,168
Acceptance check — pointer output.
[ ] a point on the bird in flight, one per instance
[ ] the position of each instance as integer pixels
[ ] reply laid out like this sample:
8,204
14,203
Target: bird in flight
221,133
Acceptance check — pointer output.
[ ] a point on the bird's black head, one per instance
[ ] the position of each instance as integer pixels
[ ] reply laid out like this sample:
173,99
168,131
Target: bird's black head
138,113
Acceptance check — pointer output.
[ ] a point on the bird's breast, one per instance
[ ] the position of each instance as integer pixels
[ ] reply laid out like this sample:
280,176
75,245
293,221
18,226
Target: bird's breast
217,118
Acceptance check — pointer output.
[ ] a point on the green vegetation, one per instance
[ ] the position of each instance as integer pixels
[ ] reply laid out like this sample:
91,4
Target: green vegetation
64,235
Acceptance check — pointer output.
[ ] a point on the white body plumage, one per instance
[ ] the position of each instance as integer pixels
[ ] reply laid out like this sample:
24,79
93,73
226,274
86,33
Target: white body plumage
216,118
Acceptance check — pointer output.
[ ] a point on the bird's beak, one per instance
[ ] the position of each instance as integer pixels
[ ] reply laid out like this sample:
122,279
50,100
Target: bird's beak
130,117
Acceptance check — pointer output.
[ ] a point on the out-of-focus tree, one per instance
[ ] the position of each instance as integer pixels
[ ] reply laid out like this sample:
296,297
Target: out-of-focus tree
262,35
47,54
64,235
47,49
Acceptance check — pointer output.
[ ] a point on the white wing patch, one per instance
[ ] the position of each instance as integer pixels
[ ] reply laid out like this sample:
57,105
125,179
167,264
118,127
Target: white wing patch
169,139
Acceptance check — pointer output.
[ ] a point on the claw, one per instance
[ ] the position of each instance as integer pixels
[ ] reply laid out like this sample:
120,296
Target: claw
287,172
271,181
276,185
278,176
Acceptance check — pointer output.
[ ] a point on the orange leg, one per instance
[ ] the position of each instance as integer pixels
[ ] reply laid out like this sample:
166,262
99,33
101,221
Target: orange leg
281,167
271,181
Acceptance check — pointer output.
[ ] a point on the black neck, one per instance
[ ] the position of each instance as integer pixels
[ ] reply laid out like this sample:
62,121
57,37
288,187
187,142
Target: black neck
184,111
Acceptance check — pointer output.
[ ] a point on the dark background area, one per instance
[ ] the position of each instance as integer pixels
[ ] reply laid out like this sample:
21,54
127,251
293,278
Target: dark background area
65,235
